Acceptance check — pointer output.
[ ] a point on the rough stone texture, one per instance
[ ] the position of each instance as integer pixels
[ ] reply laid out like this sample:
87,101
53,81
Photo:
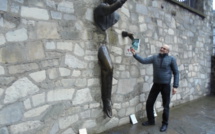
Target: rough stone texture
126,86
21,88
34,13
82,96
3,6
50,77
47,30
67,121
17,35
35,112
4,130
25,126
38,76
11,114
61,94
74,62
2,39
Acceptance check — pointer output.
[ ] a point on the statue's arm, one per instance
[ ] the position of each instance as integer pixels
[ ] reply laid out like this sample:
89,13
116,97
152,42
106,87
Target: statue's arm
109,9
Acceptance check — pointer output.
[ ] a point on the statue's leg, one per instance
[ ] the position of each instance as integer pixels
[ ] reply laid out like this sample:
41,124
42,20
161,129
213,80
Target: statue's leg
106,79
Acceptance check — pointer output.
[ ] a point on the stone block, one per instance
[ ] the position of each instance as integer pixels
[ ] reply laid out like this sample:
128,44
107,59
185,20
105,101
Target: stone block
141,9
17,35
60,95
76,73
79,51
38,76
11,114
130,110
53,73
126,85
70,35
134,101
34,13
22,68
2,71
89,124
93,82
64,72
124,121
3,5
68,83
38,99
47,30
82,96
69,17
27,104
19,89
16,54
66,6
56,15
117,50
67,45
89,14
49,63
69,131
67,121
2,39
1,91
85,114
95,113
4,130
36,111
50,45
15,8
25,126
74,62
34,50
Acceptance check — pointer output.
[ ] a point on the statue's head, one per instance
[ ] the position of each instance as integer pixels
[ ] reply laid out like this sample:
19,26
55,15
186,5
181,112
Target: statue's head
110,1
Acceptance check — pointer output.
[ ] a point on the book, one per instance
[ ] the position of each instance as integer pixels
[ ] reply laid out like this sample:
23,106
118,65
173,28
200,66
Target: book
83,131
133,118
135,43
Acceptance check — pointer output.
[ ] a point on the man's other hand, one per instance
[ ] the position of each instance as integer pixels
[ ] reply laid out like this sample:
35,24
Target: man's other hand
174,90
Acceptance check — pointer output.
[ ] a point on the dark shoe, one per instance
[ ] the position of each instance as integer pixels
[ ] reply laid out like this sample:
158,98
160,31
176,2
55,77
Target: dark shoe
107,108
163,128
147,123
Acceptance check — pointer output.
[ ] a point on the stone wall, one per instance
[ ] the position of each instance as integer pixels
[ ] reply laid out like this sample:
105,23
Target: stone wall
49,71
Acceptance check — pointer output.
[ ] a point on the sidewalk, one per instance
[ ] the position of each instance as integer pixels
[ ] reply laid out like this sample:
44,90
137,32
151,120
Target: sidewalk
195,117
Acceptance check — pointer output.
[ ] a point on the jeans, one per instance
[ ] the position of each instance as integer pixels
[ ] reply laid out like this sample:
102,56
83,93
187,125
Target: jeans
165,92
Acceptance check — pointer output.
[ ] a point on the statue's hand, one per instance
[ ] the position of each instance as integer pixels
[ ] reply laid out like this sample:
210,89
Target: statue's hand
122,2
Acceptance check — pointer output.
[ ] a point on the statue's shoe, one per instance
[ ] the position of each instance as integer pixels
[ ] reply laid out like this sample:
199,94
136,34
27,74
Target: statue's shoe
107,108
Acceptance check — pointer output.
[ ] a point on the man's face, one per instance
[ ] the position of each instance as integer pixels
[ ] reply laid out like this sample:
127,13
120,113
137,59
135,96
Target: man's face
110,1
164,49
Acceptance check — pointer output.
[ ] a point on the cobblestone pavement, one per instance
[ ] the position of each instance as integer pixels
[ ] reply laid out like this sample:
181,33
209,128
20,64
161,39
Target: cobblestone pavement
195,117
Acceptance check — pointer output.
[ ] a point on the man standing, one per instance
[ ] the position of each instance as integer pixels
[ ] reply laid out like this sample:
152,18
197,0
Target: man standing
163,68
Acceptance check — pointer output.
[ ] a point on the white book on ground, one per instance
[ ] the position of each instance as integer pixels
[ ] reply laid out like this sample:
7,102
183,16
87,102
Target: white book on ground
83,131
133,119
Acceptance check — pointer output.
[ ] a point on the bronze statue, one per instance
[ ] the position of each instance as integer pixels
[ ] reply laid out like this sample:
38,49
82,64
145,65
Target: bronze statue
106,79
105,16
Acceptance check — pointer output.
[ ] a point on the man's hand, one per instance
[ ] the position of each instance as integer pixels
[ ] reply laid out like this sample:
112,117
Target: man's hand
132,51
174,90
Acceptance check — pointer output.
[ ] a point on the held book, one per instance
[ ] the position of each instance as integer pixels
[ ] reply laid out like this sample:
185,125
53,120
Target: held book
135,43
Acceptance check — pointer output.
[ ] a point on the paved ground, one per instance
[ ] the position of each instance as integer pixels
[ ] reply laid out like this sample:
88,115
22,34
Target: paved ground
196,117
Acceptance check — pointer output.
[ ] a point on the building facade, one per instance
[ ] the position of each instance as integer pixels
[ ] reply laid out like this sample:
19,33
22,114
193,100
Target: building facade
49,70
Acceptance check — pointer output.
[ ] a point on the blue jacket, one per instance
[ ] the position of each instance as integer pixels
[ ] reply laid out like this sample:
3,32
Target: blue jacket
163,68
